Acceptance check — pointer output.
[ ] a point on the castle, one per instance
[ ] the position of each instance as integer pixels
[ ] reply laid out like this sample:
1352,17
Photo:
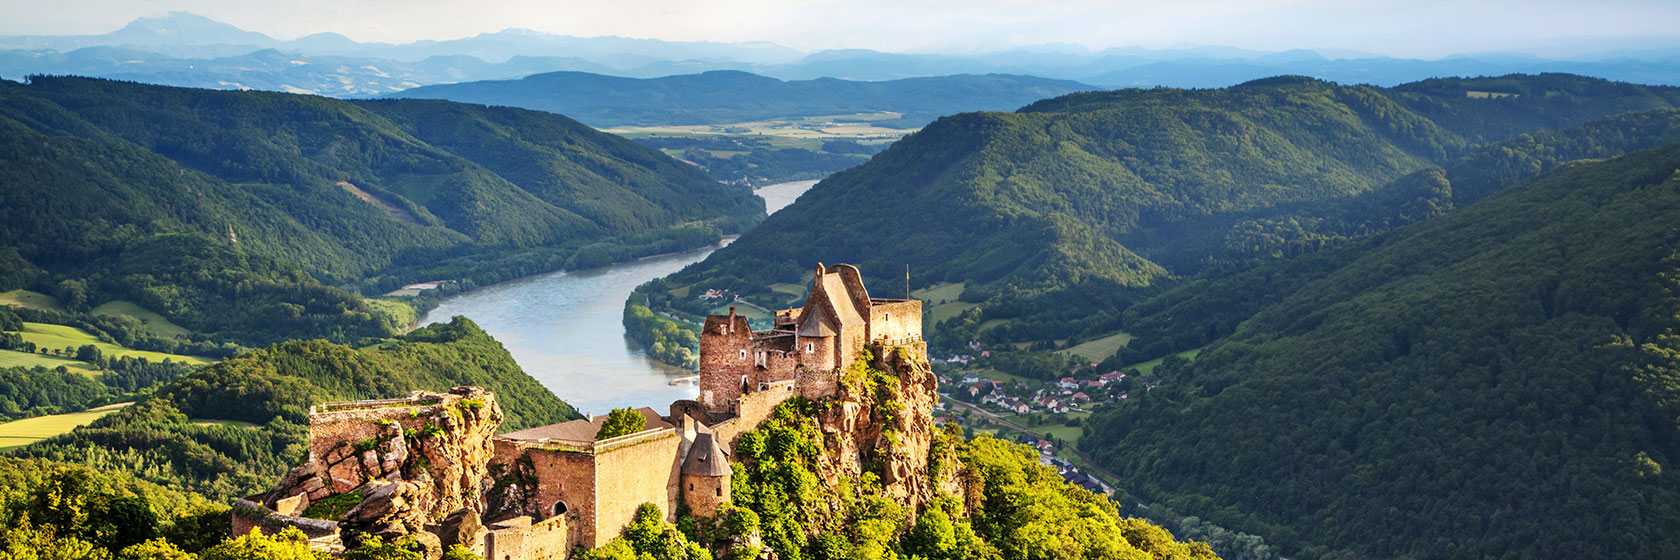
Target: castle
542,492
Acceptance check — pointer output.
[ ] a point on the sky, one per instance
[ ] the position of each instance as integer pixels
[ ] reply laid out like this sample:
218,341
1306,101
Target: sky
1405,28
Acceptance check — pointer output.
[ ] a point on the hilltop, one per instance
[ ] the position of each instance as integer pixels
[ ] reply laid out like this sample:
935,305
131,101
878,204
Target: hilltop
1058,217
185,200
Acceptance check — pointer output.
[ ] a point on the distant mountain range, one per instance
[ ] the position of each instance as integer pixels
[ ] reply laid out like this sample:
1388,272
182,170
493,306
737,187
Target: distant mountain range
190,50
723,96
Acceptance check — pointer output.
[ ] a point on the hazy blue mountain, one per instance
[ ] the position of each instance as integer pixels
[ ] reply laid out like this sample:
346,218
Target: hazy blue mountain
174,28
274,70
184,49
727,96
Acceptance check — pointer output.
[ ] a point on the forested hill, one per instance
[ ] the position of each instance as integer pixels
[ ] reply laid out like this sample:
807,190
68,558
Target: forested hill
725,96
186,200
1499,382
1062,211
232,429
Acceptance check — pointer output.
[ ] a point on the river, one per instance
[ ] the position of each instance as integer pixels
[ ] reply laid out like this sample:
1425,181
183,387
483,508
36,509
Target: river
565,328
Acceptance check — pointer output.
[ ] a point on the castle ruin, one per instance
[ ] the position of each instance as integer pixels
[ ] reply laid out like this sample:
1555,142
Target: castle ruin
431,467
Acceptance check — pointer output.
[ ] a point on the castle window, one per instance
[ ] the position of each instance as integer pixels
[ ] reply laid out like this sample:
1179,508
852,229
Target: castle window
720,491
889,316
743,354
809,347
559,508
691,487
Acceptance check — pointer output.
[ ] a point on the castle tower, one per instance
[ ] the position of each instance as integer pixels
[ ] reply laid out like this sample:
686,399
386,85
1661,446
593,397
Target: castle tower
808,345
705,477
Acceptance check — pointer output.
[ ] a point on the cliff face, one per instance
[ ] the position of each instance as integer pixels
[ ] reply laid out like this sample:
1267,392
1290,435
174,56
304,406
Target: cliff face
883,417
398,465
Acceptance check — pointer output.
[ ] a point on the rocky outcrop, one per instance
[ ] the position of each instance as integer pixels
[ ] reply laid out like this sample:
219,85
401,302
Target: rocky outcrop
412,462
884,419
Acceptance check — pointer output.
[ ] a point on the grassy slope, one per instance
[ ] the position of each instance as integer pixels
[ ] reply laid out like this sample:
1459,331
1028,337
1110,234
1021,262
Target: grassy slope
61,336
156,324
19,433
33,300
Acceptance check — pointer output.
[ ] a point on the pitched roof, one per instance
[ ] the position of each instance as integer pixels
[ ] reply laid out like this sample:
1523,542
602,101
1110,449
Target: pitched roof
705,458
840,299
814,322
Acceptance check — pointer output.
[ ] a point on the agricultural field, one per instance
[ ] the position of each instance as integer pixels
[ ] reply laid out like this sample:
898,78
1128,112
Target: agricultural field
60,336
33,300
12,358
1100,349
1146,368
19,433
805,133
155,323
748,311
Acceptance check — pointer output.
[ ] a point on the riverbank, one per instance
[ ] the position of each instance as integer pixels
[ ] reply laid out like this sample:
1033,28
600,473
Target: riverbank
565,328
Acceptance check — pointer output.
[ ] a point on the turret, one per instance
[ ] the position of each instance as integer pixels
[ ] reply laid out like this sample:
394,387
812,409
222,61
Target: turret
705,477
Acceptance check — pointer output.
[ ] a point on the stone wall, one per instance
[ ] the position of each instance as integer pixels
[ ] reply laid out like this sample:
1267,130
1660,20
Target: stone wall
725,358
704,494
520,539
600,484
561,476
895,320
631,474
754,409
250,514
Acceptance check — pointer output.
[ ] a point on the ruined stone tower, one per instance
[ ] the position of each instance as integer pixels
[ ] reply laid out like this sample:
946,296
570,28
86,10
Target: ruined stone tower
807,345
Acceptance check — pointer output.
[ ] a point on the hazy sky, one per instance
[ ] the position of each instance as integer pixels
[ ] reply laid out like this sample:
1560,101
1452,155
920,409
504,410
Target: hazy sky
1415,28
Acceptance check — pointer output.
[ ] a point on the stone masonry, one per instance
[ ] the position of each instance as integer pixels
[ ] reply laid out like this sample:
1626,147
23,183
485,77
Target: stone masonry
430,466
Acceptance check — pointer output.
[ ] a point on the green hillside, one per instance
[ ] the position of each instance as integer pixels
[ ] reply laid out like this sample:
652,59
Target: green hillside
182,200
1060,216
1498,382
179,438
1203,309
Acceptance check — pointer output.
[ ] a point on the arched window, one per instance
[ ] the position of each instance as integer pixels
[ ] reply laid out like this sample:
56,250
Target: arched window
559,508
810,347
743,354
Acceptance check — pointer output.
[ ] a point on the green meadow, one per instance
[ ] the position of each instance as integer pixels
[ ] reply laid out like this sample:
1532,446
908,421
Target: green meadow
32,300
61,336
155,324
19,433
1146,368
1100,349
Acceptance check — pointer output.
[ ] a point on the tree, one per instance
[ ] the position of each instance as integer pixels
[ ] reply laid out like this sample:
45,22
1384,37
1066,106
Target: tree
90,354
621,422
155,549
290,544
375,548
73,293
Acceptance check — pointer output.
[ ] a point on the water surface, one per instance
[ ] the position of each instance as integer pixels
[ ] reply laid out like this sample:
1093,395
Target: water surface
565,329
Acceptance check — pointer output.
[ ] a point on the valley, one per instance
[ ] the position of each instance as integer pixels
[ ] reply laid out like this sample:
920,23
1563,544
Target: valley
941,283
